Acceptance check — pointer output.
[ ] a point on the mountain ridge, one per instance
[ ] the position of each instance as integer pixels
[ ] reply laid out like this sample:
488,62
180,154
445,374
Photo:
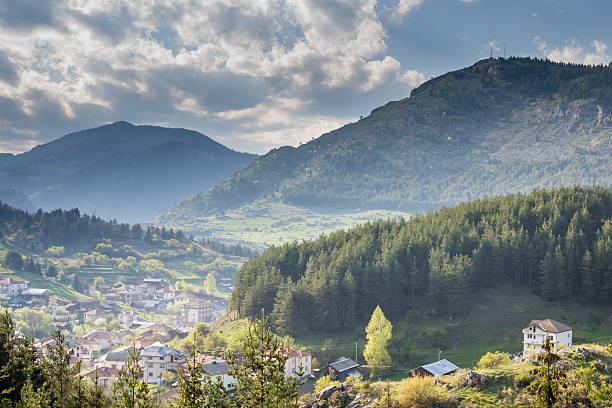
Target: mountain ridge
499,126
120,170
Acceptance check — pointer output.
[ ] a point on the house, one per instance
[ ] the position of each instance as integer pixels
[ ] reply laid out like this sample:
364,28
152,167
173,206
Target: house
118,287
343,368
295,359
36,296
536,331
83,305
76,348
201,311
157,359
165,294
217,367
119,336
117,358
130,296
126,318
179,332
157,282
102,338
106,376
12,287
89,348
94,314
441,367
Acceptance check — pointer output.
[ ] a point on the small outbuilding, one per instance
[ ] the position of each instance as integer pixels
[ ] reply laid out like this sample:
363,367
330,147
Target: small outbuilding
441,367
342,368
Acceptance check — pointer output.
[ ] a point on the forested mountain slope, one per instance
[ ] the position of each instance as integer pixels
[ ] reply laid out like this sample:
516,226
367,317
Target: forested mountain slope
499,126
120,170
555,242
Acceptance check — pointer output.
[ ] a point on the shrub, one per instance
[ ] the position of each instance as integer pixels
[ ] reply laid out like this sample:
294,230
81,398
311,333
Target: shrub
496,359
420,392
324,382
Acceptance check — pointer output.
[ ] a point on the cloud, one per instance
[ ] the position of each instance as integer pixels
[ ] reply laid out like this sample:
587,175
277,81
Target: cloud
8,72
27,14
574,52
227,67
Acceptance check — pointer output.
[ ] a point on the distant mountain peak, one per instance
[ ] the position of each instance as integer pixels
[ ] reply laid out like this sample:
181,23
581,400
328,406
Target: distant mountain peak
121,123
499,126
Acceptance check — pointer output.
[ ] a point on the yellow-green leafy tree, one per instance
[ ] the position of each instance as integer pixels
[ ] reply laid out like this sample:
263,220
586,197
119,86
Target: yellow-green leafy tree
378,334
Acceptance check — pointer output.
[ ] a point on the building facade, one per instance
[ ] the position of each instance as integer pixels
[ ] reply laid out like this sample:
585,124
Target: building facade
534,334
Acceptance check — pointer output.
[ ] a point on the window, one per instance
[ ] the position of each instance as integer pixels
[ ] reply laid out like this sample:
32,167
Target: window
150,374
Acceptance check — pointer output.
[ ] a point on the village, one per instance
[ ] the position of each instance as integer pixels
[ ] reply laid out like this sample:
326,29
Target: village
102,353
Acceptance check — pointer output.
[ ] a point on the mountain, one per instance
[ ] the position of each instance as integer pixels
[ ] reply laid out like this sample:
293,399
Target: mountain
555,242
120,171
499,126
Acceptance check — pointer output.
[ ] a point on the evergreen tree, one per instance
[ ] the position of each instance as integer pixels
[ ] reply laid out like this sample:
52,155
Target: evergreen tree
33,398
13,261
196,389
77,284
587,275
260,376
130,390
59,371
548,377
19,363
378,334
51,270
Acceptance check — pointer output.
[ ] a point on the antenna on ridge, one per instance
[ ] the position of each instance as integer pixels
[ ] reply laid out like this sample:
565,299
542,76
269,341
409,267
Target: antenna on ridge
491,53
504,50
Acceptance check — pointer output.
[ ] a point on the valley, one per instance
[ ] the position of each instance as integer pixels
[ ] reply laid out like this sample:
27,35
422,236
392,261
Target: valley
462,213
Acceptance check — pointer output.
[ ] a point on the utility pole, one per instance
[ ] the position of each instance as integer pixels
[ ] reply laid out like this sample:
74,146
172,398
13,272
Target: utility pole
356,351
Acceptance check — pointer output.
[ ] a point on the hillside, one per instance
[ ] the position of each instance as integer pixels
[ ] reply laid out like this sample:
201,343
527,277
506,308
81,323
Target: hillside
60,245
499,126
118,171
556,243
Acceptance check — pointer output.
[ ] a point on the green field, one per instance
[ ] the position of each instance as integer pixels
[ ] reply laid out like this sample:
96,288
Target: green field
36,281
492,322
267,223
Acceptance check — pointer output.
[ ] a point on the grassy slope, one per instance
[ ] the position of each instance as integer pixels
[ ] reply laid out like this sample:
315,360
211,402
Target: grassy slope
266,223
57,289
493,322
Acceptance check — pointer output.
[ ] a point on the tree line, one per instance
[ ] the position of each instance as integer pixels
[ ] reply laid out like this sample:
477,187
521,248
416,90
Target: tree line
555,242
39,230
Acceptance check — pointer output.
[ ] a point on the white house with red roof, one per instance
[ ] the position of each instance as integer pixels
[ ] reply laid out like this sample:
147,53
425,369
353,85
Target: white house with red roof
536,331
295,359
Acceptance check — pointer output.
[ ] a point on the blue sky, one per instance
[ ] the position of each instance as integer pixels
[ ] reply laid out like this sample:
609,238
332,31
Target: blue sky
258,74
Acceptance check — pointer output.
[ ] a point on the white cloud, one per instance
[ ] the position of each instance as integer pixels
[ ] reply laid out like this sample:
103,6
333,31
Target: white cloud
94,61
574,52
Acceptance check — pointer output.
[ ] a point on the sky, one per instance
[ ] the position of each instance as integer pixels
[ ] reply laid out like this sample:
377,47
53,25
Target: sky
258,74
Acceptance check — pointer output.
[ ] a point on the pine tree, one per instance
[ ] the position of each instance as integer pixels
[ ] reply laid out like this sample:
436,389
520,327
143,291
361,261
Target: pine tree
260,376
196,389
59,371
130,391
548,377
33,398
378,334
19,363
587,276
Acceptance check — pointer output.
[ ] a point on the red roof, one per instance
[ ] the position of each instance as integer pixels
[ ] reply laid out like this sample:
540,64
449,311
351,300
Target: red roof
549,325
103,372
98,335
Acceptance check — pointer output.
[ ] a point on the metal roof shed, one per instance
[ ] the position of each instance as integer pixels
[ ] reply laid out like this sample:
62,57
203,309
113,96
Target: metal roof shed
441,367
